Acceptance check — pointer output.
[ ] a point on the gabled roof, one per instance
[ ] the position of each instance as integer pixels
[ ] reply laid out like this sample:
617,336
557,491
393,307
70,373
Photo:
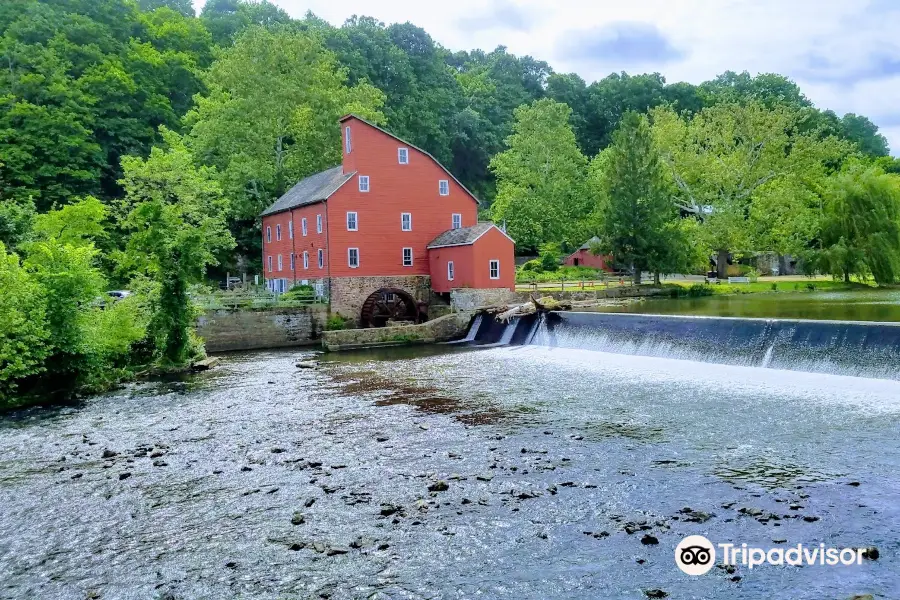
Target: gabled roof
314,188
414,147
464,236
587,244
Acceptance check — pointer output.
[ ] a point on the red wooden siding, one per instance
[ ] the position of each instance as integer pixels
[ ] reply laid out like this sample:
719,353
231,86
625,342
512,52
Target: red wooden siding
393,190
586,259
310,243
471,263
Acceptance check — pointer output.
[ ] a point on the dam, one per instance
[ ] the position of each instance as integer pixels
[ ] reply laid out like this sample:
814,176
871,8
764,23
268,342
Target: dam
862,349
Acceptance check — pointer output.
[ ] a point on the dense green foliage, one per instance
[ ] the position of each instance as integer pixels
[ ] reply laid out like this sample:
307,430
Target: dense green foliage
139,142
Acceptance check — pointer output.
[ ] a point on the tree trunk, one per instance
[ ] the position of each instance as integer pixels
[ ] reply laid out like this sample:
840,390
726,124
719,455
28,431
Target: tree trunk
722,264
846,276
656,278
637,276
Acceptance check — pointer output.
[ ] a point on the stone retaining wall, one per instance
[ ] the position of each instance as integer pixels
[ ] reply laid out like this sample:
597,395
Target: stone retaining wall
442,329
628,291
253,329
470,299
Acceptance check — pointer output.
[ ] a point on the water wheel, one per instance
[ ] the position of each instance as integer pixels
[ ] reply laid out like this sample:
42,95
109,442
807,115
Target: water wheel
388,304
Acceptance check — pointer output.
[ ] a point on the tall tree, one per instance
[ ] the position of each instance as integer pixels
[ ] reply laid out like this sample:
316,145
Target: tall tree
175,214
722,158
638,221
270,118
864,133
184,7
861,226
540,177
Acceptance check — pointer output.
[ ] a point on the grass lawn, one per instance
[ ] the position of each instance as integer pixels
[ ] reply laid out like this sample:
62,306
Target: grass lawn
794,285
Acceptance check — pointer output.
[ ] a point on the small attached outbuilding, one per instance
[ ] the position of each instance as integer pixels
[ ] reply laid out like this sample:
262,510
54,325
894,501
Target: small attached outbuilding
584,258
480,257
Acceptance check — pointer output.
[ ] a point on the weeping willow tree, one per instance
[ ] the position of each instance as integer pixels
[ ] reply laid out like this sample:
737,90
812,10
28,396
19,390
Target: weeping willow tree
861,226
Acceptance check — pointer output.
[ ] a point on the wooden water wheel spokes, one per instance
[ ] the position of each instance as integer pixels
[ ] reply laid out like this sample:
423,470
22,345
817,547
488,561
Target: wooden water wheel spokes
388,304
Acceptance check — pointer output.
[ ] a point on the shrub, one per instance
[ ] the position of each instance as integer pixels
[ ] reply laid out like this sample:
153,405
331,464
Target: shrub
533,265
300,292
774,287
335,323
549,261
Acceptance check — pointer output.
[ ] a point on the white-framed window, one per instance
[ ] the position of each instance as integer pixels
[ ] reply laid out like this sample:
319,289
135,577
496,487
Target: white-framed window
364,183
353,257
305,259
268,235
406,221
407,257
293,264
303,226
450,272
291,228
278,233
444,187
321,258
280,263
457,221
270,263
347,145
318,223
352,223
403,156
495,269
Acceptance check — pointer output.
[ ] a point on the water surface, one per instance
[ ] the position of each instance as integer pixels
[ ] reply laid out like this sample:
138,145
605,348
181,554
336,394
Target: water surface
863,305
551,456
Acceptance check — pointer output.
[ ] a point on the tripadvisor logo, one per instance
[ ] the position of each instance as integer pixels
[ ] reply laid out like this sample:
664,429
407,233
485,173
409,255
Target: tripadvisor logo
696,555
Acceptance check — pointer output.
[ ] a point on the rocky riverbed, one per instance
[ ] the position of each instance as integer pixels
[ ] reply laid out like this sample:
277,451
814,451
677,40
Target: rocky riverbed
501,473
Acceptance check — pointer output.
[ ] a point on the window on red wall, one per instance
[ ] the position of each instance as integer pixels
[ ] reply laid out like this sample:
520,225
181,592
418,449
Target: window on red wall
270,264
457,221
450,272
318,223
347,145
321,258
495,269
407,257
278,233
306,260
268,234
291,227
444,187
406,221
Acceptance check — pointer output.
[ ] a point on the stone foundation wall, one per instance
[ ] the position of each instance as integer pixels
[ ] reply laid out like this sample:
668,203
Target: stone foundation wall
349,293
442,329
470,299
254,329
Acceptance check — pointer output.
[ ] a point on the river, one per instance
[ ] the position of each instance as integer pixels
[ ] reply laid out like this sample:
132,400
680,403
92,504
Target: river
562,468
858,305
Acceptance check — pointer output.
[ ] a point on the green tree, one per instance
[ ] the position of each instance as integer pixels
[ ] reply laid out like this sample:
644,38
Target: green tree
540,177
24,334
861,226
183,7
270,118
723,158
637,216
175,217
864,133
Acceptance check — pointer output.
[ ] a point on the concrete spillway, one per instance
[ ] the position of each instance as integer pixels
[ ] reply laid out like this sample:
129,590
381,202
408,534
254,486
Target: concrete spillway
865,349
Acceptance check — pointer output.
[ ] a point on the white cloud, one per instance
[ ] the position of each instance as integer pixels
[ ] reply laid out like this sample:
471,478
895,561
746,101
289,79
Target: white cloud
844,54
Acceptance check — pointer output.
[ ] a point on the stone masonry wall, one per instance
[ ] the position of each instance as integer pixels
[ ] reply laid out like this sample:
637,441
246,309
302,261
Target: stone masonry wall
441,329
470,299
226,330
349,293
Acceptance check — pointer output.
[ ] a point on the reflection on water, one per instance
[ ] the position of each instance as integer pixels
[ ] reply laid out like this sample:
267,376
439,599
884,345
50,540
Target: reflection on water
866,305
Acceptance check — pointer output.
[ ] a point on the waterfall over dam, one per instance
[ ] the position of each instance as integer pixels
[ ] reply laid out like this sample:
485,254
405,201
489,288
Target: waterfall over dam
863,349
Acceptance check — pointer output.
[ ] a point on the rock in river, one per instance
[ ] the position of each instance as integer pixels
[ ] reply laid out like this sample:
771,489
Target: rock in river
649,540
438,486
298,519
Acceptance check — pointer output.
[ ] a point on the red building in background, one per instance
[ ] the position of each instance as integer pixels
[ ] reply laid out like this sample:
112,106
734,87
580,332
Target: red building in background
387,226
583,257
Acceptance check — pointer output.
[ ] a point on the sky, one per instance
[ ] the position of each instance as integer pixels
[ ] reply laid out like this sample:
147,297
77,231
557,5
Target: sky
844,54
